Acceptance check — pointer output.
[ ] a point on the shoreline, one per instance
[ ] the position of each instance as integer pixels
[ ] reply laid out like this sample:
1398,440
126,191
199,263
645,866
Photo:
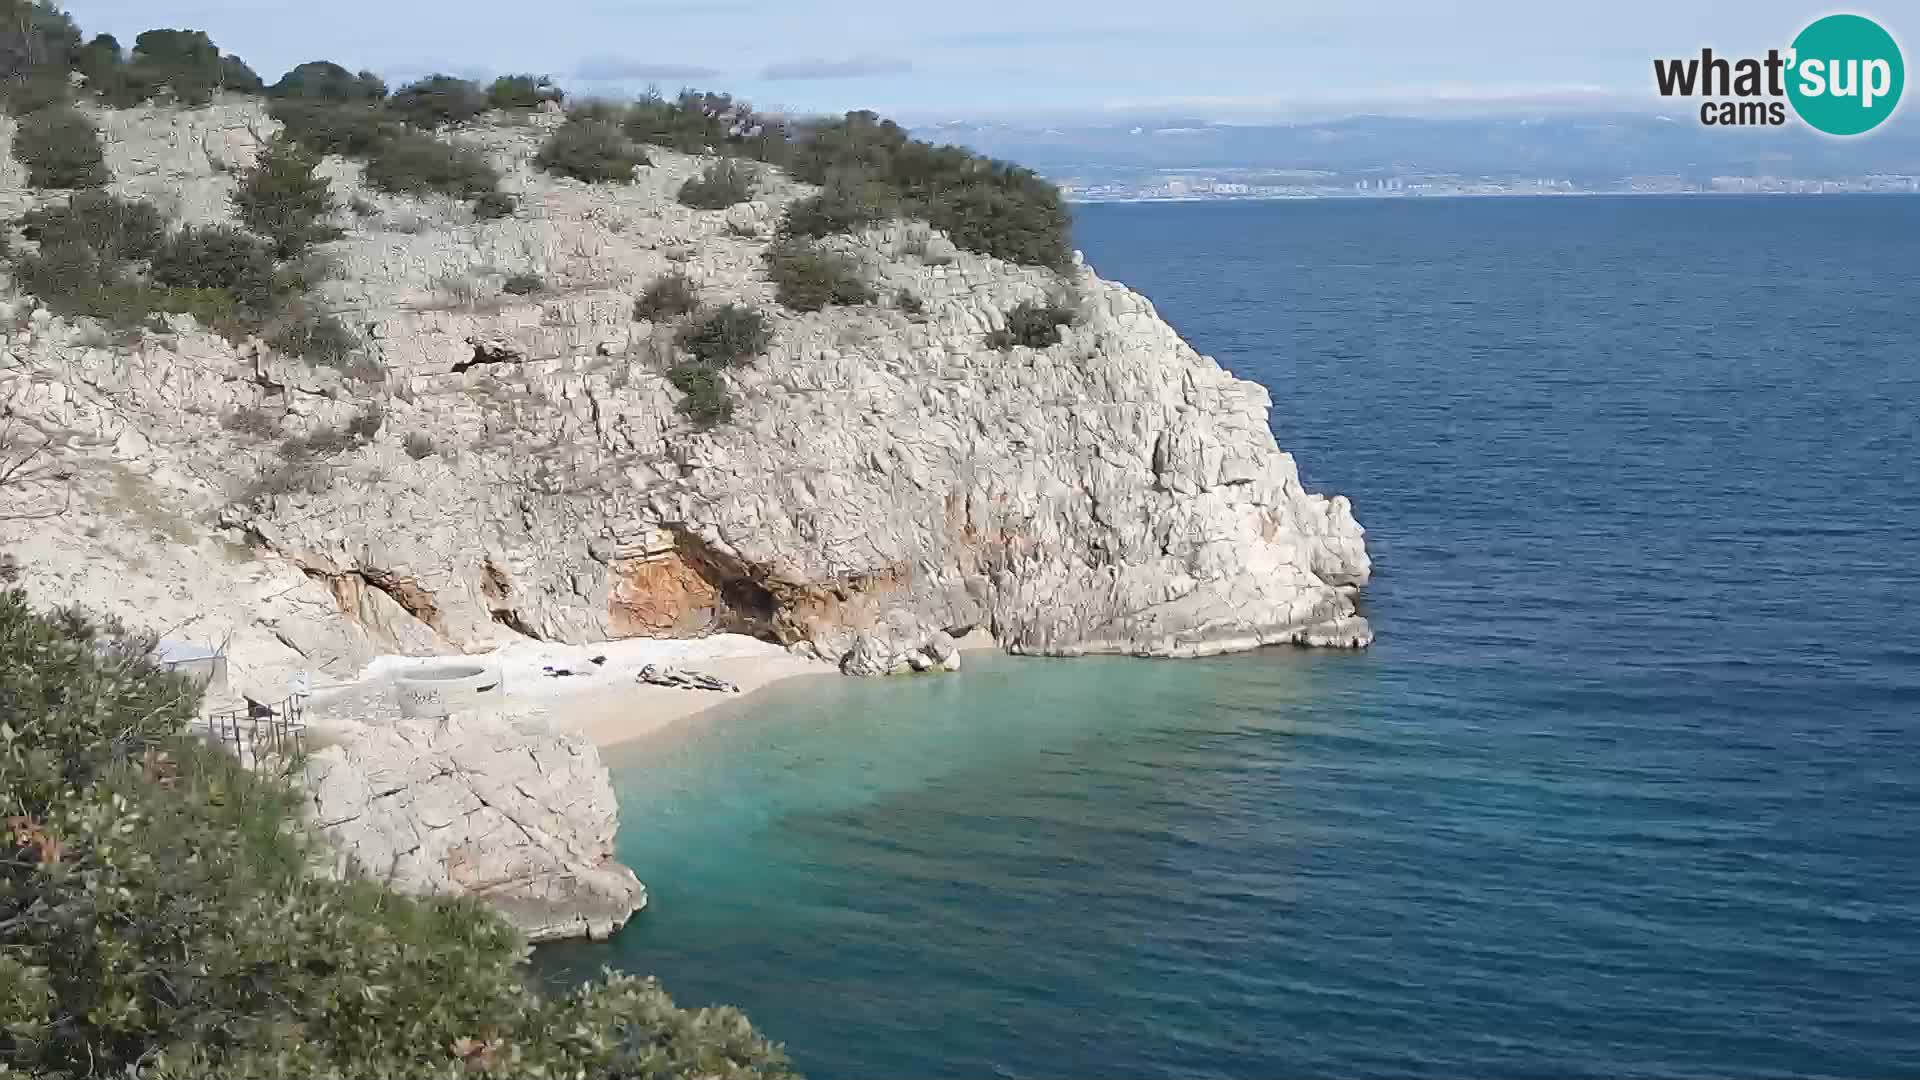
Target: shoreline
605,702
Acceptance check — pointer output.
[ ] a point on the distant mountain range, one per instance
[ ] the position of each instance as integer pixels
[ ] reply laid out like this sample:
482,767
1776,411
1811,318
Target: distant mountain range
1592,148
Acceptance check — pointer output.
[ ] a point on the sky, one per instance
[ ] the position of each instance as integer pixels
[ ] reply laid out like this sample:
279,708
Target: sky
986,59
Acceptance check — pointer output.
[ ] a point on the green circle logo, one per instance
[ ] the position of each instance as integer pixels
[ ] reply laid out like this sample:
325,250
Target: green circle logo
1846,75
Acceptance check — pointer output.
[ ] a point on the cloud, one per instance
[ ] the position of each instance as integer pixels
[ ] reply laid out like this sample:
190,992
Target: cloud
627,68
854,67
1070,35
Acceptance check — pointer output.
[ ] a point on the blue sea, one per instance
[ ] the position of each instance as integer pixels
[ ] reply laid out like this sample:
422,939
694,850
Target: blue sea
1629,786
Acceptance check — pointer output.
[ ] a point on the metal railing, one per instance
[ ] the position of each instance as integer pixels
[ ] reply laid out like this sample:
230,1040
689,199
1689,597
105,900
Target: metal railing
261,734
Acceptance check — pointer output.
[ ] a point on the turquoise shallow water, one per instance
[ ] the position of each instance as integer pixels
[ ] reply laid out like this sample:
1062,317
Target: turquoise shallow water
1628,786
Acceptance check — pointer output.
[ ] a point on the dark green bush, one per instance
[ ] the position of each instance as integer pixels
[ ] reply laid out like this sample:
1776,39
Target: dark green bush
184,62
670,296
438,100
321,340
35,35
328,81
117,230
706,400
693,123
523,92
805,278
524,284
723,184
593,151
850,201
218,257
984,205
87,247
733,335
909,301
416,164
281,198
331,127
162,920
493,205
236,76
60,149
41,88
420,446
1034,325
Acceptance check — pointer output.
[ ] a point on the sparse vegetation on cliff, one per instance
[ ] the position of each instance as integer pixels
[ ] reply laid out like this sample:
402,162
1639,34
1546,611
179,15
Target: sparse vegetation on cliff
162,920
1034,325
724,184
281,199
591,150
732,335
416,164
808,278
670,296
61,149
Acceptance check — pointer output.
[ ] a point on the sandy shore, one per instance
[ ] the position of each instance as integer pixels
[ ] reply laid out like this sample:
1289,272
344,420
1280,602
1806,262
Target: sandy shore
605,701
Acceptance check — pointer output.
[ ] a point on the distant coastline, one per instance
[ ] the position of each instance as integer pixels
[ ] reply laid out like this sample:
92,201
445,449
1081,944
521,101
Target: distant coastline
1394,196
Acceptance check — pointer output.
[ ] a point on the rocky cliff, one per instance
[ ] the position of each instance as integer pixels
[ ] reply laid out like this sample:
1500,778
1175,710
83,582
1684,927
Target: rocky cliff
889,478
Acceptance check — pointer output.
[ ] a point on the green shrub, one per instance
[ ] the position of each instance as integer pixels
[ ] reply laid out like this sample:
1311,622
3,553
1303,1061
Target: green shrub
806,278
723,184
850,201
420,446
731,336
593,151
909,301
523,92
438,100
218,257
416,164
693,123
281,198
184,62
117,230
35,34
524,284
87,247
707,400
237,77
328,81
986,206
330,127
321,340
132,844
1034,325
60,149
32,91
494,205
251,420
670,296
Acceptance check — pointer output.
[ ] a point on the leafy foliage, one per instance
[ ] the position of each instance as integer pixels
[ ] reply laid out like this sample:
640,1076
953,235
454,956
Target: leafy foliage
183,65
35,35
693,123
670,296
850,200
706,400
438,100
524,284
331,127
131,845
40,88
320,339
593,151
117,230
723,184
416,164
281,198
733,335
806,278
986,206
328,81
523,92
86,248
60,149
1034,325
493,205
218,257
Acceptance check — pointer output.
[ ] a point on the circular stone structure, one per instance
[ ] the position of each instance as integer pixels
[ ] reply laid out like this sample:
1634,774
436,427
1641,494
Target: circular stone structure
436,692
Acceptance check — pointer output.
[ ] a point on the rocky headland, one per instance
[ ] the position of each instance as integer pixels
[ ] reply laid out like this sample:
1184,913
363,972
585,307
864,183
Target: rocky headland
894,475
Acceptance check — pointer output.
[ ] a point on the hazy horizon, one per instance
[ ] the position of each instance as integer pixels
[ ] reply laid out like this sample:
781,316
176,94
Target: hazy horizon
1241,61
